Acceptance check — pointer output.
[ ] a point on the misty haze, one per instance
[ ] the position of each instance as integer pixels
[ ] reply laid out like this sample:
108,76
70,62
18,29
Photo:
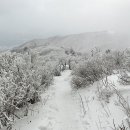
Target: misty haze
64,65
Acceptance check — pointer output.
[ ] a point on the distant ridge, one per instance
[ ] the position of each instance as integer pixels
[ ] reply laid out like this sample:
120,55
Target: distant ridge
81,42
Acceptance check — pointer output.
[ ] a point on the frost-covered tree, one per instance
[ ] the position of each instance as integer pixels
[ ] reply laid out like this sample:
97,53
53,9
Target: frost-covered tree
21,82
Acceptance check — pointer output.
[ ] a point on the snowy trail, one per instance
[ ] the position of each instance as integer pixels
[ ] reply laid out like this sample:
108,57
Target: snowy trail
61,112
68,116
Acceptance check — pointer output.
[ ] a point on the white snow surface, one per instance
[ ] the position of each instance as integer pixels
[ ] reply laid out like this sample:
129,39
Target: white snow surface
64,109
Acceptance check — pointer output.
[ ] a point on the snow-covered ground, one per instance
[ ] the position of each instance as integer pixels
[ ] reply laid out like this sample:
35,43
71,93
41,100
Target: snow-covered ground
64,109
61,111
98,114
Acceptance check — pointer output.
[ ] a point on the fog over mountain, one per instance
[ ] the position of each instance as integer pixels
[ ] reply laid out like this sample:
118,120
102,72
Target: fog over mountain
81,42
24,20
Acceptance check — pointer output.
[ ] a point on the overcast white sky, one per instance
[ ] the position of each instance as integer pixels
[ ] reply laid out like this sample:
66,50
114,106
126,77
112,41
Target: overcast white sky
22,20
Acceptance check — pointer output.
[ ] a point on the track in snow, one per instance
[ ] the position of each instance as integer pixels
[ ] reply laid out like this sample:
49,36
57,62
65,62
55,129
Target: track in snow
68,115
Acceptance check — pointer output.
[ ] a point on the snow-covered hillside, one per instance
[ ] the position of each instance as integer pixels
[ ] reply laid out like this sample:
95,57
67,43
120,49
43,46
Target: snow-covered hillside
82,42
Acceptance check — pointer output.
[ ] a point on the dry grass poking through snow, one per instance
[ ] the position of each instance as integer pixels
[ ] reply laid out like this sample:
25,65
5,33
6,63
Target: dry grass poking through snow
110,95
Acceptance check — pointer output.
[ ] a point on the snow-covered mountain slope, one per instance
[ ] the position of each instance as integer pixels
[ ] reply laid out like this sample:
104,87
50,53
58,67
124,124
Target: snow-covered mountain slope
82,42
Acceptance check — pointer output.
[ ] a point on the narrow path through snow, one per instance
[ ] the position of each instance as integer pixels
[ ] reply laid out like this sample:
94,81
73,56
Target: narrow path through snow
61,112
68,115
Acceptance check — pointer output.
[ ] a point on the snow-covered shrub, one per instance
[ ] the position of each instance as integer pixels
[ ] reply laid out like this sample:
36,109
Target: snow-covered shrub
120,127
91,68
47,78
57,71
78,82
119,59
113,61
127,60
123,103
104,89
124,77
21,83
71,62
108,63
87,73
